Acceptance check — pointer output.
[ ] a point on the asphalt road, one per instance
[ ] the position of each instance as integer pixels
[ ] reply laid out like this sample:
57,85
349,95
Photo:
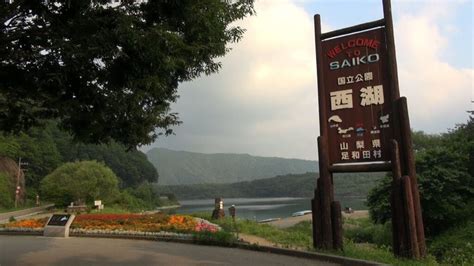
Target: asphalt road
34,250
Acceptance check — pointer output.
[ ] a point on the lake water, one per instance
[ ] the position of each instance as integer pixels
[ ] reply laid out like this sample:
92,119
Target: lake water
258,208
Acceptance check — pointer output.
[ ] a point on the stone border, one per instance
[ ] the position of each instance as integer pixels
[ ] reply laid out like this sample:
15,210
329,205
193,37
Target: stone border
189,239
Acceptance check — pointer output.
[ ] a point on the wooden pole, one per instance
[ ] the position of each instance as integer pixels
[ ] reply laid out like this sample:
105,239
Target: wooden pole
398,222
411,172
316,204
324,174
324,186
323,126
392,57
410,223
336,224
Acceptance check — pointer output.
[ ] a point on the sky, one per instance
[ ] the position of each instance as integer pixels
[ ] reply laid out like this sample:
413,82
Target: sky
264,99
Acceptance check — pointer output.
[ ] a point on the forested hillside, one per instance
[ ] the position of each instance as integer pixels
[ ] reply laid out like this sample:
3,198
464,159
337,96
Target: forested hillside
302,185
181,167
45,149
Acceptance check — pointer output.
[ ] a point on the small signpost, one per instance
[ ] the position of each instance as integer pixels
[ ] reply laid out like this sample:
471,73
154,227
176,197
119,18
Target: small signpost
58,225
364,127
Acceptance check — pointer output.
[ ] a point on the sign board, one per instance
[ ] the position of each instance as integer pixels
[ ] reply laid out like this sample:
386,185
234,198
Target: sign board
58,225
59,219
358,97
97,202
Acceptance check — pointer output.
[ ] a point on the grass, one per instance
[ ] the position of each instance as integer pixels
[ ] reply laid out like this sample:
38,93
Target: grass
455,246
299,236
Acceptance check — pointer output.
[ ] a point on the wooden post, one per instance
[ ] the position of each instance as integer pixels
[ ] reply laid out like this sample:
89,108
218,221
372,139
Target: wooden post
411,172
398,230
316,204
324,186
410,223
336,225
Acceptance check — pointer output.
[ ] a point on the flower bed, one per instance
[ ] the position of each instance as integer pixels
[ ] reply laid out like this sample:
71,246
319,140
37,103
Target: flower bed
135,222
29,223
124,224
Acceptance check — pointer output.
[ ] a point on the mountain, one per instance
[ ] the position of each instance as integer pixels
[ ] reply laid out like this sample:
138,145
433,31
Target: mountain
182,167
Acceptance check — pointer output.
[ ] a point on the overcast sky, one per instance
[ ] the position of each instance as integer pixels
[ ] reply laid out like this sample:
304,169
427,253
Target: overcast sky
264,99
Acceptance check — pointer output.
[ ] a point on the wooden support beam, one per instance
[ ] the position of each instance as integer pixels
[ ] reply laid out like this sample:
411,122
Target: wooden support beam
325,187
352,29
316,215
398,238
373,167
411,171
410,223
336,225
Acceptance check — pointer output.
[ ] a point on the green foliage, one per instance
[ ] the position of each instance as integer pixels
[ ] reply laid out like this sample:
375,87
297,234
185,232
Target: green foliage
300,236
36,147
378,200
220,238
126,200
86,181
130,165
379,254
7,192
455,246
45,149
108,73
364,231
445,177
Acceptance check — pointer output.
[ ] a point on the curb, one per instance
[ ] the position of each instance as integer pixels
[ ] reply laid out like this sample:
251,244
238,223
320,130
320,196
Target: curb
281,251
310,255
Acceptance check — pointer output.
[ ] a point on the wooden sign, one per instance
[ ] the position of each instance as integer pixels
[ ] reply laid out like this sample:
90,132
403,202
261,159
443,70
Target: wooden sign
364,127
358,97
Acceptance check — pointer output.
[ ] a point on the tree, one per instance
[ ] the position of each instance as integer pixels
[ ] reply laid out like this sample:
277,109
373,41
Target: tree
446,178
130,165
80,181
36,147
108,72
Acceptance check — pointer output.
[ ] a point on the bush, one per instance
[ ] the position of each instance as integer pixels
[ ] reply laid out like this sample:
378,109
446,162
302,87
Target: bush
444,165
455,246
80,181
363,231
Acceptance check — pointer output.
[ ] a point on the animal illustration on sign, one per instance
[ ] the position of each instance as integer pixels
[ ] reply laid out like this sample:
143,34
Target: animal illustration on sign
344,131
384,118
335,118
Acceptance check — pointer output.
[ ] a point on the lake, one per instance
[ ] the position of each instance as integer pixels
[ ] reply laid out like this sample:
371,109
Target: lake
260,208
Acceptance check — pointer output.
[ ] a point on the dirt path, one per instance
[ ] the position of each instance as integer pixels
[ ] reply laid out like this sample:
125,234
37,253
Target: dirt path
290,221
256,240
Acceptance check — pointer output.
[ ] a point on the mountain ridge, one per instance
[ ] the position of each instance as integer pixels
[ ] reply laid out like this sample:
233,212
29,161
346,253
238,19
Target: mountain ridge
183,167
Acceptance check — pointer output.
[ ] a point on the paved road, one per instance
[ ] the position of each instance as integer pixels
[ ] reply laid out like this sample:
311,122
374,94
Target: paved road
30,250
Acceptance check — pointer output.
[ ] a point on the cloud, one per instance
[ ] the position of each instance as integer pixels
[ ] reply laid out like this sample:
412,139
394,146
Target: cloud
439,94
264,99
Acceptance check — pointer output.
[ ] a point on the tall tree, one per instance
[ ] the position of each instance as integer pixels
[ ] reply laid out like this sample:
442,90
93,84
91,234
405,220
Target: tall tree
105,71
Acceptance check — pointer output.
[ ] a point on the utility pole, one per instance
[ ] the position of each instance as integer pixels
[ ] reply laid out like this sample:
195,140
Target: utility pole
18,187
